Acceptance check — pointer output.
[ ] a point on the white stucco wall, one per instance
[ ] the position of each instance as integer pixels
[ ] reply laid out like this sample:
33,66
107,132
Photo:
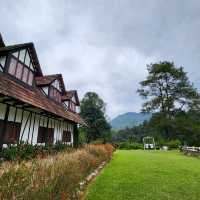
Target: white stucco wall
29,128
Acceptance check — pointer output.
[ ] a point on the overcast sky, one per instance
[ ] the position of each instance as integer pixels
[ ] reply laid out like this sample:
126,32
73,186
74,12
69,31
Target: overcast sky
104,45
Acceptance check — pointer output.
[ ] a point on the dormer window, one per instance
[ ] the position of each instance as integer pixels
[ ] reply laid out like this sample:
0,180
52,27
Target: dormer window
55,94
72,106
55,91
56,84
21,67
70,100
65,104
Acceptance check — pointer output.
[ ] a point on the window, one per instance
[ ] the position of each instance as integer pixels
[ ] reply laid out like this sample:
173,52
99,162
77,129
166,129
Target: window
16,54
41,135
12,133
65,104
25,74
30,78
72,106
21,68
45,135
56,84
55,94
66,137
12,67
45,90
22,55
27,59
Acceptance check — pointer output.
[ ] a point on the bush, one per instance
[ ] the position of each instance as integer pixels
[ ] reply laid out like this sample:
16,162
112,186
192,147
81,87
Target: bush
26,151
55,177
173,144
9,153
130,145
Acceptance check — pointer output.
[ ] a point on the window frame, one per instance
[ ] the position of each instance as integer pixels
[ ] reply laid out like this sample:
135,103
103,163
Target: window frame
54,97
15,127
65,138
47,135
7,66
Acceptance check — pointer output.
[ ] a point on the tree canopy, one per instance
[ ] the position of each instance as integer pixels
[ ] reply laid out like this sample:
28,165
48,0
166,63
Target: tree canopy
167,89
93,112
175,105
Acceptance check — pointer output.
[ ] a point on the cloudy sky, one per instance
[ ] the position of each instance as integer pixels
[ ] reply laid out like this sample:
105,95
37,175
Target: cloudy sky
104,45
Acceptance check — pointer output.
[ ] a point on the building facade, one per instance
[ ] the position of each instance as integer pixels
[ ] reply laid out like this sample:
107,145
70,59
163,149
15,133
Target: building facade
34,108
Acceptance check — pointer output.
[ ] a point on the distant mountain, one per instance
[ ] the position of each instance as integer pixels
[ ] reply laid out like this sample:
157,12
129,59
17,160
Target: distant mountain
129,119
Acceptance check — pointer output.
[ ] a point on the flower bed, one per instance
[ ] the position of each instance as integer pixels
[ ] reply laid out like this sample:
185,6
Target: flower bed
55,177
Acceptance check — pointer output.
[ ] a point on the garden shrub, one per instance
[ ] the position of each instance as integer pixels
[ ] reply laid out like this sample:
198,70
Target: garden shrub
173,144
130,145
9,153
26,151
54,177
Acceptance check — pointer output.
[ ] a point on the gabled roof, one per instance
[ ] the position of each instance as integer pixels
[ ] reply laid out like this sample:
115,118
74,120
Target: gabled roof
69,94
5,49
47,80
2,44
35,98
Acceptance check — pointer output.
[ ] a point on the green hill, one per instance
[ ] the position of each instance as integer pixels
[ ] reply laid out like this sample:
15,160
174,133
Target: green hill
129,120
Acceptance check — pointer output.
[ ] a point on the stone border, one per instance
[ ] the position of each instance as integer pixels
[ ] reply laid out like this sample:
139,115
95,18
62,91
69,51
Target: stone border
82,185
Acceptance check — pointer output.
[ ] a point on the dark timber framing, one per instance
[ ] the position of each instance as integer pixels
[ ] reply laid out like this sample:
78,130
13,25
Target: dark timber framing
26,103
3,131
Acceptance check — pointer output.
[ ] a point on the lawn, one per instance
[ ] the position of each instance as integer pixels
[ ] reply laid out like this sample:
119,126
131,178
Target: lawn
147,175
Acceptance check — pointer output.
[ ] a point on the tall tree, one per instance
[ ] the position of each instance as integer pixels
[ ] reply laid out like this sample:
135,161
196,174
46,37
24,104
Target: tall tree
167,89
93,112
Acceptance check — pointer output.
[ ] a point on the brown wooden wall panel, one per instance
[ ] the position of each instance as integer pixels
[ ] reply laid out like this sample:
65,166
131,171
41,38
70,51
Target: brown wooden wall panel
45,135
66,136
12,133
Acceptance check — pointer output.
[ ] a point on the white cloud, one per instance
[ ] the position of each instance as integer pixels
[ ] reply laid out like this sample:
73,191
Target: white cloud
104,46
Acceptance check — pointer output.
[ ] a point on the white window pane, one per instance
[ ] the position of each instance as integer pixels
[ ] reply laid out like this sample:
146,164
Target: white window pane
25,75
19,70
22,55
12,66
3,61
30,78
27,60
65,106
15,54
46,90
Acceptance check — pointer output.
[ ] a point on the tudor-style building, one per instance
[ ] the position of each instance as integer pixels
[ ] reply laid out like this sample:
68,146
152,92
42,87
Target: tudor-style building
34,108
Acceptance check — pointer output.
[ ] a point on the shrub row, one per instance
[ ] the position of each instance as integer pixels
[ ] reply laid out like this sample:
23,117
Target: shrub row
172,144
130,145
54,177
25,151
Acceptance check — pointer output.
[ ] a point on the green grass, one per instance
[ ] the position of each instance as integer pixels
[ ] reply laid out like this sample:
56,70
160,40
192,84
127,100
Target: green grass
147,175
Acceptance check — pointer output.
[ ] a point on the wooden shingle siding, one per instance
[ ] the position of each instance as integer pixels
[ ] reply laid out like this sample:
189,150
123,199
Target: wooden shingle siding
35,98
32,106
